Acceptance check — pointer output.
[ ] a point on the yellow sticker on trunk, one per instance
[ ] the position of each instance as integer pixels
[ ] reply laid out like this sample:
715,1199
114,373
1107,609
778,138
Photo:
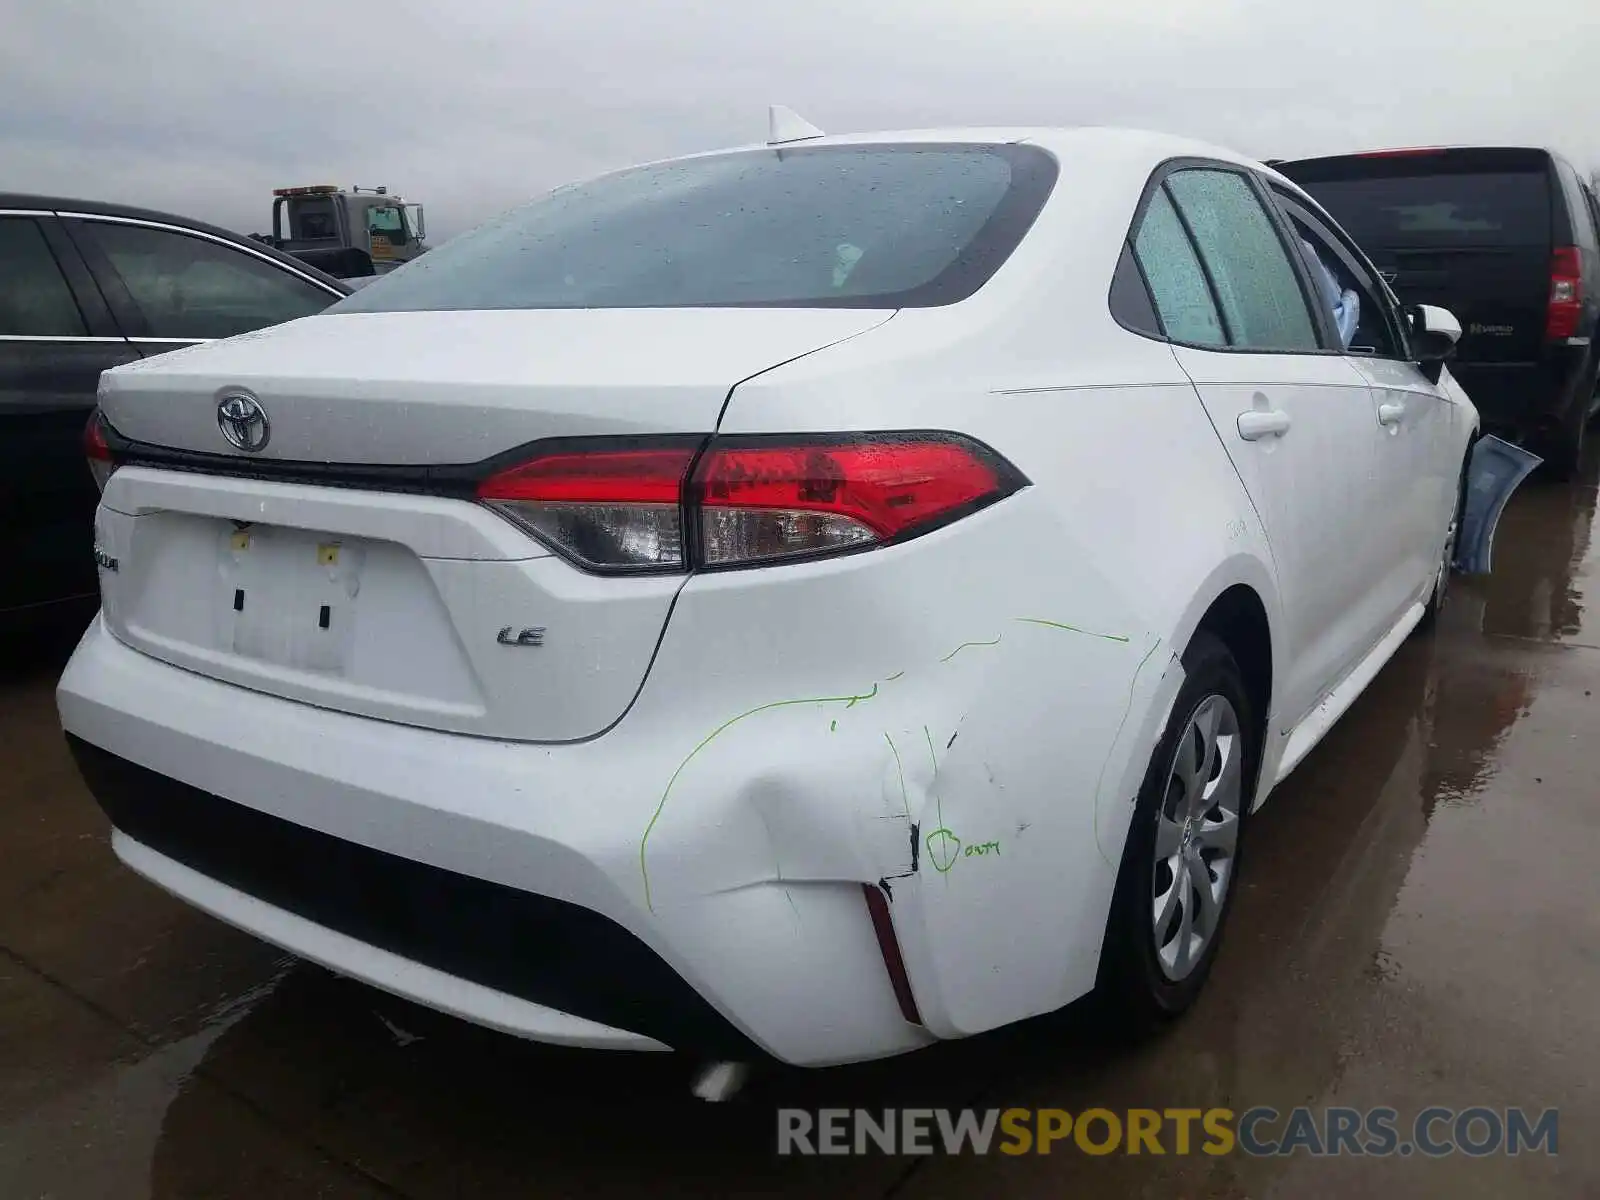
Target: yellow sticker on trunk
241,539
328,555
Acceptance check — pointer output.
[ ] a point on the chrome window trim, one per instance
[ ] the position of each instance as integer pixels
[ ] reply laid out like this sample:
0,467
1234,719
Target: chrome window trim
210,237
26,212
172,341
61,337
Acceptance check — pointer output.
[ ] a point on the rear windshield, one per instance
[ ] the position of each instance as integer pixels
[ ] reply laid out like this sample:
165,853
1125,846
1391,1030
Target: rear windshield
891,226
1492,209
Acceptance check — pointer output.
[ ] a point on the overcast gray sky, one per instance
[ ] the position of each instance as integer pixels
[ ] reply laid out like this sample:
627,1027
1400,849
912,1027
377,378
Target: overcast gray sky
202,107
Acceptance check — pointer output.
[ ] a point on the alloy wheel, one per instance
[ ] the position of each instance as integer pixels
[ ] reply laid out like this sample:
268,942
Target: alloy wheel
1197,837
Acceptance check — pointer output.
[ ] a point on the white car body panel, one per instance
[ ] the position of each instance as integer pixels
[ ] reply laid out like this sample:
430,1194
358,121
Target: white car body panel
1320,489
456,387
429,569
1425,438
963,719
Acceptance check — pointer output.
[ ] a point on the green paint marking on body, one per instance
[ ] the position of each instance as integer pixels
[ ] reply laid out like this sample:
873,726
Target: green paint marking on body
901,771
833,726
1126,709
896,675
964,645
944,848
948,841
847,701
1109,637
855,700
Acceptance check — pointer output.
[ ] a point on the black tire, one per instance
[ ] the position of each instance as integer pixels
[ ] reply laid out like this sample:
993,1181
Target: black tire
1430,614
1132,986
1563,451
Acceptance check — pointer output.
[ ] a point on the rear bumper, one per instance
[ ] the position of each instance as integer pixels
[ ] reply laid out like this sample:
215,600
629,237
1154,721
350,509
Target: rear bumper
1525,399
494,881
400,922
403,976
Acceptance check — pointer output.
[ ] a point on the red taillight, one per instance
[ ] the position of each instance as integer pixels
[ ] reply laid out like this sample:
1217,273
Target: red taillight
749,501
95,448
1566,293
763,501
609,510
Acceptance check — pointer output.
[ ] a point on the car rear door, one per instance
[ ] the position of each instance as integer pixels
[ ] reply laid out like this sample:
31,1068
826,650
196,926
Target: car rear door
56,336
171,287
1417,456
1296,418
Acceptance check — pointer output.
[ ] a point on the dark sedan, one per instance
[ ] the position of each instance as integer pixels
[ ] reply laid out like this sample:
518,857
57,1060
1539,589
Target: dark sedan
84,287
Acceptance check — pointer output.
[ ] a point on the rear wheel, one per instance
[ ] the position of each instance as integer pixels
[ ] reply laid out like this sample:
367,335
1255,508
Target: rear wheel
1175,886
1564,448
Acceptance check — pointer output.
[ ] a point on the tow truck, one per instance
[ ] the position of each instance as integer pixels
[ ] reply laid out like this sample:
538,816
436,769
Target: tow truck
351,234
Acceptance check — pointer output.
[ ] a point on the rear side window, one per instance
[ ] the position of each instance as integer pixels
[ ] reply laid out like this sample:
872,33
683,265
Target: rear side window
1177,282
879,226
192,288
35,300
312,220
1582,217
1257,287
1447,209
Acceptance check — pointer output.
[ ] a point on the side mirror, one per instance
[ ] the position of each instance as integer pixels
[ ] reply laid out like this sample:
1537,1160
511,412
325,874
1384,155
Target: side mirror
1434,334
419,222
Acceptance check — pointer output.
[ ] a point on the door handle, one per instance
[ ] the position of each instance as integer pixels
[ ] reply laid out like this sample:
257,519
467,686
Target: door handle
1259,423
1391,414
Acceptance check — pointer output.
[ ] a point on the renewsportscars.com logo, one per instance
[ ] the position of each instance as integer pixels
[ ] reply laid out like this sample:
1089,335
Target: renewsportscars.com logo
1377,1132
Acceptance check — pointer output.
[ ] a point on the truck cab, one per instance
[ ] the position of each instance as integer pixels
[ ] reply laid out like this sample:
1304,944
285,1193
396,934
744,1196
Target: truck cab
308,221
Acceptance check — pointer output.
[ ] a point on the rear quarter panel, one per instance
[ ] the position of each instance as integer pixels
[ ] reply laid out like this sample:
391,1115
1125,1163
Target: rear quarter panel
993,690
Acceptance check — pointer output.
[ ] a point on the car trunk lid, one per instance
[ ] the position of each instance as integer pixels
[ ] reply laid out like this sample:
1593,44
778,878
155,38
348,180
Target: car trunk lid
346,564
432,388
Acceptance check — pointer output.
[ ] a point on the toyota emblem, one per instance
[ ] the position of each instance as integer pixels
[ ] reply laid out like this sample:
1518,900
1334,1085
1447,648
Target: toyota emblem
243,422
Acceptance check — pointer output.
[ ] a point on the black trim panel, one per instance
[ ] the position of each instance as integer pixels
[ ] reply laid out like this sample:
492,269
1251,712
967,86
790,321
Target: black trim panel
543,950
97,317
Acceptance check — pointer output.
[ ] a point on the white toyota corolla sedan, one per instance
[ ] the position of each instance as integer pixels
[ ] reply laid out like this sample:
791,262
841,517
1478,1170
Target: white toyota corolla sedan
816,599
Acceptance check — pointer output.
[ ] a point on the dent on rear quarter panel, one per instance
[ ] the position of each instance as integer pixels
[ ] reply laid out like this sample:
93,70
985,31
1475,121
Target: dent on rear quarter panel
928,781
964,719
916,764
978,764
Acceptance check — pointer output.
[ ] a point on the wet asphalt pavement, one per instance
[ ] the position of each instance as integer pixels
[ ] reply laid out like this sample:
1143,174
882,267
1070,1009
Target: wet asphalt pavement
1420,924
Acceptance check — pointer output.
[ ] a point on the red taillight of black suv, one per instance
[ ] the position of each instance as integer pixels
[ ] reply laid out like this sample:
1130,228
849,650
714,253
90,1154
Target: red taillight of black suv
1566,293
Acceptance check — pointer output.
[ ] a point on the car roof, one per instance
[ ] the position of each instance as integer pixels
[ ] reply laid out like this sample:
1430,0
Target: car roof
1112,144
1453,155
61,204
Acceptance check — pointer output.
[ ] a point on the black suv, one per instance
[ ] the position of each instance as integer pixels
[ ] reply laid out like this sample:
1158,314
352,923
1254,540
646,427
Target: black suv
1505,239
84,287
